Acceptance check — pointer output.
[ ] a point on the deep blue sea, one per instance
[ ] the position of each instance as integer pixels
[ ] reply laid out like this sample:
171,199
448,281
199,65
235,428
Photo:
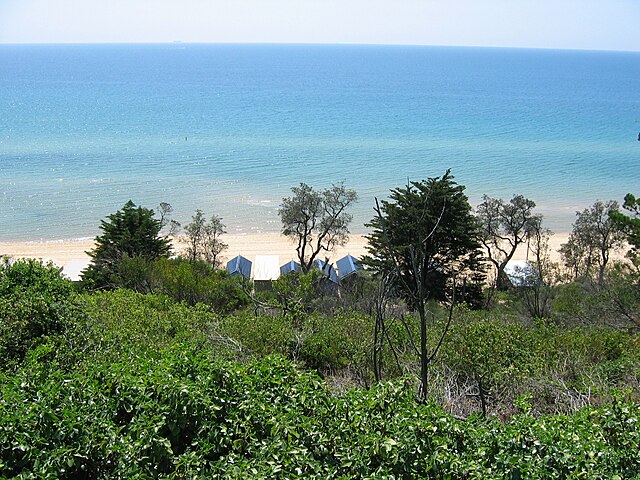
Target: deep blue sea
230,128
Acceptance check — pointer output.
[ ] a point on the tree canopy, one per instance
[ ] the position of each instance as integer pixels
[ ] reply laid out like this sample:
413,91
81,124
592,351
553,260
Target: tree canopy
592,240
317,221
130,232
203,239
427,234
504,227
630,225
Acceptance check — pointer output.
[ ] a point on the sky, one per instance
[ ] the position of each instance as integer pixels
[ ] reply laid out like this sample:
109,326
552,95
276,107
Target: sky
565,24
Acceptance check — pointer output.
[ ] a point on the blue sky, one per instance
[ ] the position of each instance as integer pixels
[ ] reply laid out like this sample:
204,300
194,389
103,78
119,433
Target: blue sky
572,24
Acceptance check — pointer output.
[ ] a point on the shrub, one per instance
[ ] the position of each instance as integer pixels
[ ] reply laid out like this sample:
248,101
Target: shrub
36,301
197,282
175,413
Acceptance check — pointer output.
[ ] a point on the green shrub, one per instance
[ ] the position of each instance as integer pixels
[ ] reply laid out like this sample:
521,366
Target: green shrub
123,321
177,413
197,282
36,301
261,334
338,342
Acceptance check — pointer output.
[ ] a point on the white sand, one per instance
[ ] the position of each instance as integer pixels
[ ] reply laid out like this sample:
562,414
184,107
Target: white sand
71,256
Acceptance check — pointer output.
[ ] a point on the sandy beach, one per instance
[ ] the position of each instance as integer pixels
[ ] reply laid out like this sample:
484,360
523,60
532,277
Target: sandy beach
71,254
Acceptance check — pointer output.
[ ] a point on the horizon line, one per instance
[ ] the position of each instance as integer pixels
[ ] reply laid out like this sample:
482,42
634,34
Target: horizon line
283,43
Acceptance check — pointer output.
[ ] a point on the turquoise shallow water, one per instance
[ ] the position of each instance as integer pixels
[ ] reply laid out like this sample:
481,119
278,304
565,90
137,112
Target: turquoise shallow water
230,128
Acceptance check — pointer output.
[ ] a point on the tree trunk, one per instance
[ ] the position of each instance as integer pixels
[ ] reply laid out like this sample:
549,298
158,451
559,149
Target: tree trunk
483,399
503,282
424,354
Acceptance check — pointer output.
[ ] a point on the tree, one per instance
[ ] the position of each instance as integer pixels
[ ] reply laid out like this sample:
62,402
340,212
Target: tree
316,221
165,210
539,279
203,239
504,227
424,237
625,283
629,224
592,240
130,232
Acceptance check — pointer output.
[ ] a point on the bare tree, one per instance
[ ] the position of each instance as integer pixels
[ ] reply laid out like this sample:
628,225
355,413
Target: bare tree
593,239
165,210
540,277
317,221
504,227
203,238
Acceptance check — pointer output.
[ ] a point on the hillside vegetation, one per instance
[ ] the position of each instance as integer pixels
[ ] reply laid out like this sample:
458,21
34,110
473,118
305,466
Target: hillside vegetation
423,365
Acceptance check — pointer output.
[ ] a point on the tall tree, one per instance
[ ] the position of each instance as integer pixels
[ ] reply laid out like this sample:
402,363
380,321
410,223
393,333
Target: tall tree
130,232
317,221
504,227
593,239
629,224
203,239
424,237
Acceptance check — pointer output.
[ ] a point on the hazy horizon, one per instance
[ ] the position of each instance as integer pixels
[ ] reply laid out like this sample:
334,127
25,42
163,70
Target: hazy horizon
543,24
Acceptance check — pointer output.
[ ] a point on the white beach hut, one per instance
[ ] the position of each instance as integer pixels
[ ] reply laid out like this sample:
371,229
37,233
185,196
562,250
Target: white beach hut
266,269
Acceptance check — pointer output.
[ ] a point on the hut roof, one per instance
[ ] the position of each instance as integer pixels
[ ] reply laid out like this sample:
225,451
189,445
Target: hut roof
347,265
239,266
328,270
291,266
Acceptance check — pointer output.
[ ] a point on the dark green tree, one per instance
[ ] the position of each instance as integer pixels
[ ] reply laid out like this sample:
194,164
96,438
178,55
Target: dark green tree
425,237
630,225
130,232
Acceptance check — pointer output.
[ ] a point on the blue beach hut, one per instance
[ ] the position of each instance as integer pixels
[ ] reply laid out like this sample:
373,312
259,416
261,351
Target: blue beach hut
239,266
347,266
291,266
328,270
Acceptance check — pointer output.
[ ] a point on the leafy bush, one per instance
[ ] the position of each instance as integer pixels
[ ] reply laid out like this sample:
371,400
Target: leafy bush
121,322
262,334
334,343
178,414
197,282
36,301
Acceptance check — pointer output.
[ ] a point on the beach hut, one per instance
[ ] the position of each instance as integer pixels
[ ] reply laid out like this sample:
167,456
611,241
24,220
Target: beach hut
328,270
291,266
519,272
239,266
265,271
347,266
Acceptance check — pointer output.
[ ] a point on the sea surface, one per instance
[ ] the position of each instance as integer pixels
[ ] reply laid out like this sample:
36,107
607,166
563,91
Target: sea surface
230,129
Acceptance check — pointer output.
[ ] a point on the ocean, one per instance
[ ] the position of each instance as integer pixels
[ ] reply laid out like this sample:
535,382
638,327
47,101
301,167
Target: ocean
229,129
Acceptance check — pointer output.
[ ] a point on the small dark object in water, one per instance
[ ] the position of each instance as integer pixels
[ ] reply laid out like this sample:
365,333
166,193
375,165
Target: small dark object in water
639,137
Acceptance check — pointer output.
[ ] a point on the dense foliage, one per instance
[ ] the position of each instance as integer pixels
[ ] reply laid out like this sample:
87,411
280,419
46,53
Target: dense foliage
181,372
143,386
426,235
131,232
177,413
36,302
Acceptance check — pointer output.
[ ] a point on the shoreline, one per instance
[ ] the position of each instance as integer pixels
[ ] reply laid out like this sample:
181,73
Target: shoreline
71,254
